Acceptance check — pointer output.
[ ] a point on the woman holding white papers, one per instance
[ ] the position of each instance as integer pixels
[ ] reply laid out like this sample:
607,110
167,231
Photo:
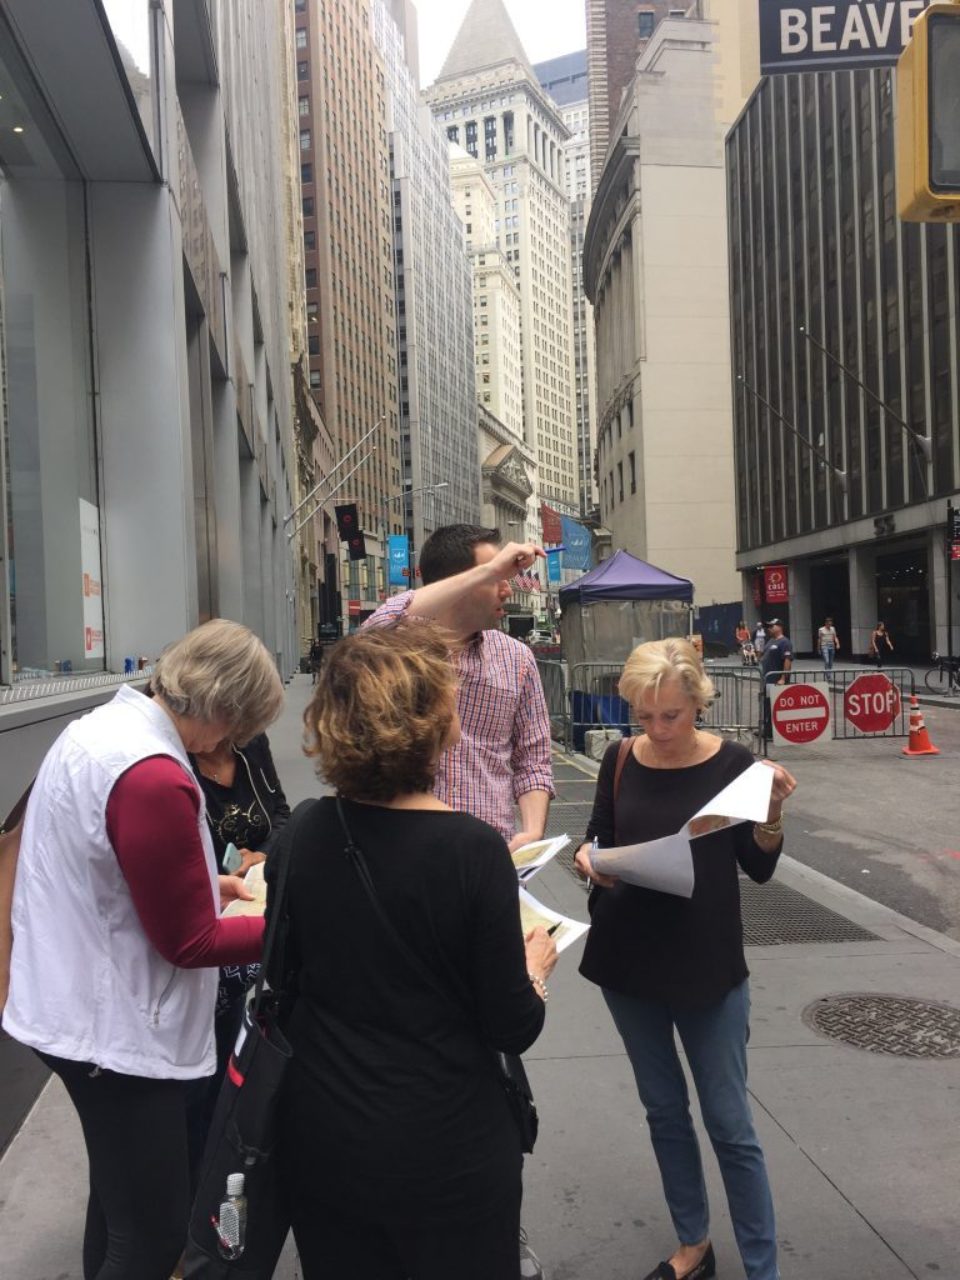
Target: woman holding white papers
398,1146
668,963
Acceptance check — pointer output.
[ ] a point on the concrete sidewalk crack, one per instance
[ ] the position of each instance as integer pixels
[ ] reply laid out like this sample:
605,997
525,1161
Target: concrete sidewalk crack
839,1190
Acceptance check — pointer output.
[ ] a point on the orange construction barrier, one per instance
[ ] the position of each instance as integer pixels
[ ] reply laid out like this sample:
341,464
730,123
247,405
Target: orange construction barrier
919,744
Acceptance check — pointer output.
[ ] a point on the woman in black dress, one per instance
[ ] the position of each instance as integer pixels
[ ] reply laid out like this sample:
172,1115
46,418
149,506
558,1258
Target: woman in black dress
399,1151
667,963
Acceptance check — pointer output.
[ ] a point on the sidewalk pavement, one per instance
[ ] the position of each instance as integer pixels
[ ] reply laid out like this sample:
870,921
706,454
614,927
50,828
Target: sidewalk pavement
862,1147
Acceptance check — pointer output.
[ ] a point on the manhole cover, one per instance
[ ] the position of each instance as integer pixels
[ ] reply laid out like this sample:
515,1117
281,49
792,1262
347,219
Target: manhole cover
899,1025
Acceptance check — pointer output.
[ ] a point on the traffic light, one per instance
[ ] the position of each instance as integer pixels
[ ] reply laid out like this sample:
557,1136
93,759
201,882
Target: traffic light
928,118
357,546
348,522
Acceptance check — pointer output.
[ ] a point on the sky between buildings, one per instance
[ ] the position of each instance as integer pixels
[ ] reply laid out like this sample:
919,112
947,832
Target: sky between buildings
547,29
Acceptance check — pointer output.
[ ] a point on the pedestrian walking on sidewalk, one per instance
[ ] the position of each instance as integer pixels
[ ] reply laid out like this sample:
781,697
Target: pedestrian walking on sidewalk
828,645
400,1154
880,640
117,934
670,966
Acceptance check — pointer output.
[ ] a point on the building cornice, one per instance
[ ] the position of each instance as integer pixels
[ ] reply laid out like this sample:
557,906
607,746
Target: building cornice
918,518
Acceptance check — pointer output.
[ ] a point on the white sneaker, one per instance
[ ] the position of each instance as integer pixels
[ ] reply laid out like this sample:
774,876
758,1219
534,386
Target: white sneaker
530,1267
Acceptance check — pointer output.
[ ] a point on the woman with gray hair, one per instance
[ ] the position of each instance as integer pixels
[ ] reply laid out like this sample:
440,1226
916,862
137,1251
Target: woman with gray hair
668,964
117,932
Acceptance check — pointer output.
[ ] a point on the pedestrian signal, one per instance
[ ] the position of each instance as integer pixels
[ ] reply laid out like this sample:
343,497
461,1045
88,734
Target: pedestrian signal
928,118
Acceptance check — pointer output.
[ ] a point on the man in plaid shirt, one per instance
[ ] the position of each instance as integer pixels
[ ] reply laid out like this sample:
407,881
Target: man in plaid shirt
503,757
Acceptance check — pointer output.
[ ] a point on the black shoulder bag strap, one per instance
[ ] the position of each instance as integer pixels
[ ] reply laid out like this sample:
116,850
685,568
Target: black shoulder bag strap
281,858
355,854
509,1066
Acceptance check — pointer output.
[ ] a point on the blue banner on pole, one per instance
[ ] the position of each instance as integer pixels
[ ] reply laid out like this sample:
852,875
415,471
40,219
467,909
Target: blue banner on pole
576,544
553,565
399,552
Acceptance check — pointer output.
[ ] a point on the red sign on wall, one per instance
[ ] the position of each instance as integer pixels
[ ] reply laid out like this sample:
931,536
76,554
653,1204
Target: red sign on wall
776,584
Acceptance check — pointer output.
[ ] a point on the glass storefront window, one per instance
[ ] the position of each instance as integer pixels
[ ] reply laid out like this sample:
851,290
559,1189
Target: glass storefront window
52,615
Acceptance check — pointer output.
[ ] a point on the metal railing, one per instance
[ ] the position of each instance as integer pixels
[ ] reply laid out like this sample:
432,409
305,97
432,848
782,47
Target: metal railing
28,688
553,677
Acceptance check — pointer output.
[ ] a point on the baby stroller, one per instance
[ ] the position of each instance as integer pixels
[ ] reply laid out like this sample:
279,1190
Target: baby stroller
748,654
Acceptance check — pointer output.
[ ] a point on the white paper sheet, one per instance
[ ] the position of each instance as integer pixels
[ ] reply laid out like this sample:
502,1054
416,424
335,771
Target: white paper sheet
258,887
563,929
667,864
530,858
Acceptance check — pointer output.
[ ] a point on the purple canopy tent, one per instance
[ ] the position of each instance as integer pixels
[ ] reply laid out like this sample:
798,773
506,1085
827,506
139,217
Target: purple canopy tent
625,577
605,615
613,608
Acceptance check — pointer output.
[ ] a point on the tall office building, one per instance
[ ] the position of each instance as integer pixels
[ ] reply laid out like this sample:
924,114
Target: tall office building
655,267
348,242
496,298
141,218
617,33
438,416
489,102
565,80
845,324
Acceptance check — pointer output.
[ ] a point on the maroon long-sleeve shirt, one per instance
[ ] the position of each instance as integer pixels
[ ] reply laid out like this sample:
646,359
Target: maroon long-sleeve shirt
152,825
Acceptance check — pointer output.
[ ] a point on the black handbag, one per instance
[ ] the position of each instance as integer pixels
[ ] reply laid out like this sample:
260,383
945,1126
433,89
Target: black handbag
509,1066
243,1131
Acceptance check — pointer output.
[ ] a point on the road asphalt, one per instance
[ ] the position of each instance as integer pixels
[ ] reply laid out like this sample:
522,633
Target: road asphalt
862,1145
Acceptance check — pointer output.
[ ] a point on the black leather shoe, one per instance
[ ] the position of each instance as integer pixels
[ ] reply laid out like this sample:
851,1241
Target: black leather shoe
705,1268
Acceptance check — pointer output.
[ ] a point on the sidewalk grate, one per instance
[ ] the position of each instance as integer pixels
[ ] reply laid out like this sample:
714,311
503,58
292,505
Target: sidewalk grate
774,914
899,1025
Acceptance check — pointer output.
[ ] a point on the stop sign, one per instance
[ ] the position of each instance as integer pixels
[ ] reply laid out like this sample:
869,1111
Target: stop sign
871,703
800,712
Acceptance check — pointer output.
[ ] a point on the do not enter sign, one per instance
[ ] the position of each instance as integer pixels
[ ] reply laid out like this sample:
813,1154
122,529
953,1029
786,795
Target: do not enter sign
872,703
800,712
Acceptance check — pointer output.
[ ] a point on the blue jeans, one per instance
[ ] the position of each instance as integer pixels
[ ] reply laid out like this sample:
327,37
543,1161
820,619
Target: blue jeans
715,1042
826,652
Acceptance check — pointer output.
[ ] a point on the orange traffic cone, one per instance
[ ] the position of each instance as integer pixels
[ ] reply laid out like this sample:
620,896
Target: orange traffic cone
919,744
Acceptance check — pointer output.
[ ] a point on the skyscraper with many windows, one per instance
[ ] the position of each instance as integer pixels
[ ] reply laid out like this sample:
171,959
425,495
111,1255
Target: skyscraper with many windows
565,80
438,414
489,102
348,242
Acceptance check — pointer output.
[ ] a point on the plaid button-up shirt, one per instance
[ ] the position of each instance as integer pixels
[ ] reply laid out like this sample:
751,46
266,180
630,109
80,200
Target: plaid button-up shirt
504,748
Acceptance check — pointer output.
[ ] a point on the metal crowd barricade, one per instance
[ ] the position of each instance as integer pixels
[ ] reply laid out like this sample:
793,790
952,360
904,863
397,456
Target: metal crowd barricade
595,702
836,685
553,677
737,709
840,680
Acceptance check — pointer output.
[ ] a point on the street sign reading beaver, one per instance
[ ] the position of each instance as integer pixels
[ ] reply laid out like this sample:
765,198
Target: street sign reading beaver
807,35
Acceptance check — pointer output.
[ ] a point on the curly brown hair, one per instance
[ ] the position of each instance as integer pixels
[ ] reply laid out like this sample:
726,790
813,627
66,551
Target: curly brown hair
381,713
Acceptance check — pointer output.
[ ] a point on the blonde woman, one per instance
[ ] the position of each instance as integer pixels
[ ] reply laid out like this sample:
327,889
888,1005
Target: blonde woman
402,1158
675,966
118,935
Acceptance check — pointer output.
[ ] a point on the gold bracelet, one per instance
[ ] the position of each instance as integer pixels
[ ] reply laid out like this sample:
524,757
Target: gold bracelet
539,986
769,828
